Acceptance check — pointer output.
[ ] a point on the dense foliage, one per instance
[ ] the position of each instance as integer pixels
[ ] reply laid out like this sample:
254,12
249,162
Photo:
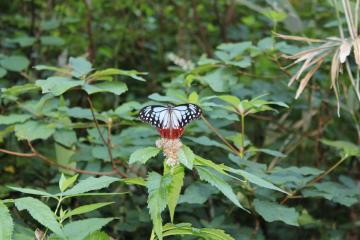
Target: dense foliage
264,161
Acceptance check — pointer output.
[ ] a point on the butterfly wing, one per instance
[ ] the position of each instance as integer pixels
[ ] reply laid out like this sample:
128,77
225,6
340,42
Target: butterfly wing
185,113
156,115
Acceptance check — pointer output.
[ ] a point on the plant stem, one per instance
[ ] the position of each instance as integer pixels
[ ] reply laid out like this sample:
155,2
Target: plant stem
242,148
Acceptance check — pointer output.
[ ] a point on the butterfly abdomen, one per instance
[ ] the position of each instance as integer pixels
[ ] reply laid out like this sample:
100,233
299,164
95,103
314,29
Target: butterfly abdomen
173,133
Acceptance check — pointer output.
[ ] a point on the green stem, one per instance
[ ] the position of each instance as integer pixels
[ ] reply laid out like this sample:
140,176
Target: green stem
242,148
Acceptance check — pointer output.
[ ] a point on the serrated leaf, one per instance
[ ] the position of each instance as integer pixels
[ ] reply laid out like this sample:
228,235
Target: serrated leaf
186,157
6,223
143,155
80,66
136,180
57,85
216,180
158,187
113,87
272,211
78,230
256,180
32,191
86,208
103,74
204,233
177,182
40,212
32,130
15,63
90,184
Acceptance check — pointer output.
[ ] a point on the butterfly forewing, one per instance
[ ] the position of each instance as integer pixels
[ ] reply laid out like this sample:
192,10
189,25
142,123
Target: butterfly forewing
170,117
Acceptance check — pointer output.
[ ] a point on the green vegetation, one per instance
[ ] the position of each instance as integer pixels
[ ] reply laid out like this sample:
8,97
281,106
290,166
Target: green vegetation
264,161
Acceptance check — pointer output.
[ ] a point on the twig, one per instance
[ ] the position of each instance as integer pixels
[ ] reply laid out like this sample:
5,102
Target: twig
316,179
232,148
91,47
106,143
35,153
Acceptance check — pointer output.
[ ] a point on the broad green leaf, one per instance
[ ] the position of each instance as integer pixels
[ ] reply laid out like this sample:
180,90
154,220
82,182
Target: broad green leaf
14,118
15,91
268,151
197,193
187,229
194,98
215,179
6,223
40,212
234,49
206,141
103,74
32,130
256,180
23,233
232,100
347,148
65,182
2,72
186,156
15,63
90,184
219,79
113,87
158,188
51,68
52,40
78,230
143,155
177,182
65,137
63,156
272,211
86,208
80,66
160,98
136,180
98,235
57,85
24,41
32,191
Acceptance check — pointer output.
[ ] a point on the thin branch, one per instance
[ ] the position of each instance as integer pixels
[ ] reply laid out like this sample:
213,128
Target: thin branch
229,145
50,162
91,46
316,179
107,142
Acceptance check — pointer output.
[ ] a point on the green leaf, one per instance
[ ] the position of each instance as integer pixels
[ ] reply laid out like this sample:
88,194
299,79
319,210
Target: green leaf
86,208
98,235
14,118
15,63
63,156
186,156
90,184
32,191
52,40
24,41
57,85
2,72
32,130
347,148
197,193
219,79
177,182
15,91
113,87
143,155
6,223
158,188
40,212
272,211
103,74
268,151
78,230
256,180
217,180
204,233
65,137
80,66
65,182
136,180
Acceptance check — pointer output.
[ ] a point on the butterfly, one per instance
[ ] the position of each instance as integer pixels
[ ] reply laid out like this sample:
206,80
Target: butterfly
170,120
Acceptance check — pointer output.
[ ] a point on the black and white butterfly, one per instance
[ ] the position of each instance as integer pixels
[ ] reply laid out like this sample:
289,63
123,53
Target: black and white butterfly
170,120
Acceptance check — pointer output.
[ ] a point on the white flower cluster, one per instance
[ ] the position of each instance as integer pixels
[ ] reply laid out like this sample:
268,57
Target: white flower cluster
171,149
186,65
